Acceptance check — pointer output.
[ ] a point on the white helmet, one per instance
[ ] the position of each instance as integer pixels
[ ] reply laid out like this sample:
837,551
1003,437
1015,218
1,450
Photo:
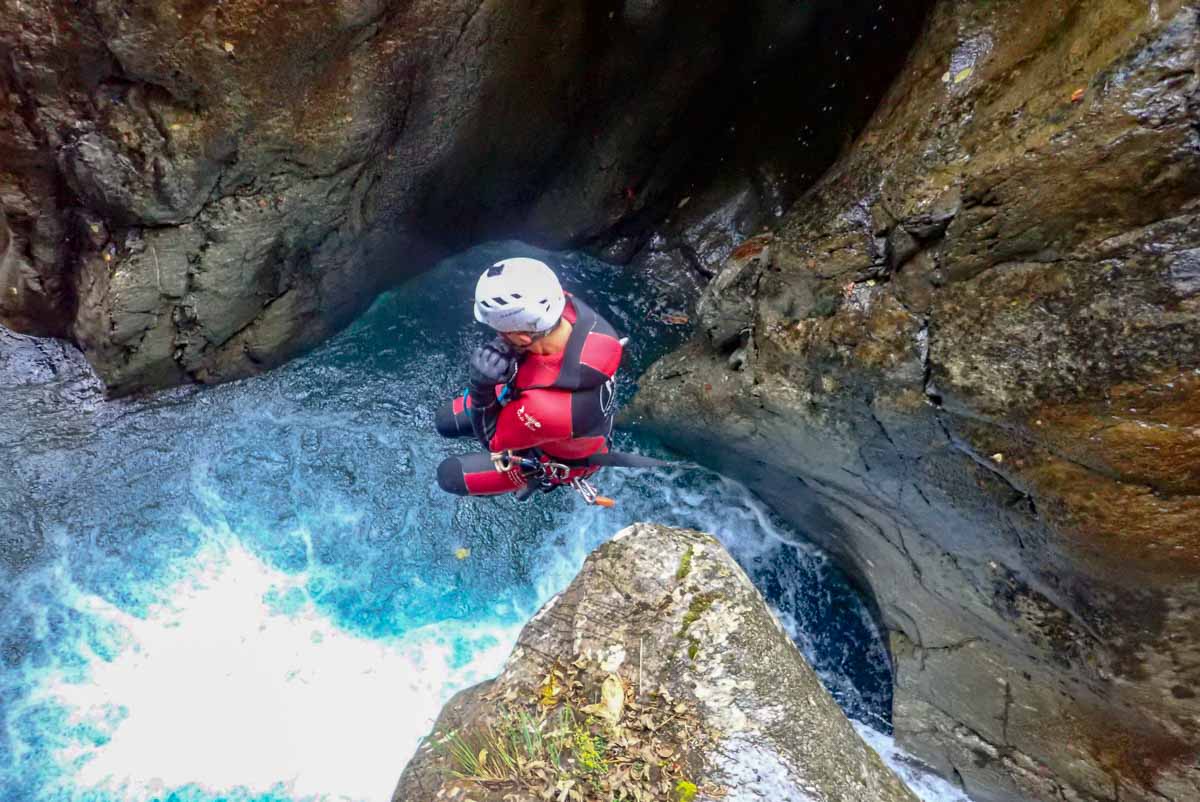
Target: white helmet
519,295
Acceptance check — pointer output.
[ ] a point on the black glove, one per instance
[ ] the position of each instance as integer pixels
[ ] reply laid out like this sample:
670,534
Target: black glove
492,364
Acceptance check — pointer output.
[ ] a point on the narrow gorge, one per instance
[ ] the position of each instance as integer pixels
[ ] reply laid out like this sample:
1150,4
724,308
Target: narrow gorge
916,284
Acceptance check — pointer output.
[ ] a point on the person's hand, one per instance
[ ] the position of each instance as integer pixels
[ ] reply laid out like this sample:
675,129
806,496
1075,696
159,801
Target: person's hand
491,364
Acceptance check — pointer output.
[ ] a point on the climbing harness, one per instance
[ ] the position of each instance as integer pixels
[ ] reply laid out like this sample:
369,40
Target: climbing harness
550,475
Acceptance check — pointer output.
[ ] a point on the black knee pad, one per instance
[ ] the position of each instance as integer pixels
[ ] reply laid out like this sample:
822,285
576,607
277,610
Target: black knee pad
450,476
450,425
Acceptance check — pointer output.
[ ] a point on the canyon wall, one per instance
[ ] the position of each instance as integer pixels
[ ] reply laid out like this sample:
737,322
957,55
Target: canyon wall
196,191
968,364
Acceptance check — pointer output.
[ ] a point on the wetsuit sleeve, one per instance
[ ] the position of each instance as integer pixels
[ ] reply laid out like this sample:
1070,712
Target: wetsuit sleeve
485,412
536,417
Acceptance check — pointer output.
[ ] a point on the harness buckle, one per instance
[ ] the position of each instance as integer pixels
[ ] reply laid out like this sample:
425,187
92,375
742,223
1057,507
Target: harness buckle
506,461
502,460
544,473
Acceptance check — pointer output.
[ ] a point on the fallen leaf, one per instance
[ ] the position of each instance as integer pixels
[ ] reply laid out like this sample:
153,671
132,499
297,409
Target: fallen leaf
228,47
963,75
612,700
462,553
1078,95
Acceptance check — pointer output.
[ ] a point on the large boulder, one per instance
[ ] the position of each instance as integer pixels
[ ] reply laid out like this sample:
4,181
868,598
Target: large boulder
659,673
968,362
196,191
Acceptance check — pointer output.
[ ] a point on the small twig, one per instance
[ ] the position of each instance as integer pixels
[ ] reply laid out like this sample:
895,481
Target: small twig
641,640
157,267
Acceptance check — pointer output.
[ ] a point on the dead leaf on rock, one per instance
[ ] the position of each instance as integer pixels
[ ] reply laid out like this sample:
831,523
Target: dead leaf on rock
612,701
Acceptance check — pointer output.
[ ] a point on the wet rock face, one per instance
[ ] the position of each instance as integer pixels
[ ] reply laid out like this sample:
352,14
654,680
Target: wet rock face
669,622
967,362
196,191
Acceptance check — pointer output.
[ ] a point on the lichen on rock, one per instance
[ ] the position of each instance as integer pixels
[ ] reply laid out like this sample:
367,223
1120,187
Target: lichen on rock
602,674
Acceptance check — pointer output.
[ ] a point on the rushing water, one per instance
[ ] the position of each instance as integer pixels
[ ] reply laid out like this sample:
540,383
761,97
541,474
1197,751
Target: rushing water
257,592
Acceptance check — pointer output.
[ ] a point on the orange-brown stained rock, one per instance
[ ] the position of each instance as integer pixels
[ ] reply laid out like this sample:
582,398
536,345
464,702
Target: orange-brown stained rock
1122,477
1139,756
1147,434
750,248
881,335
1117,479
1123,526
257,64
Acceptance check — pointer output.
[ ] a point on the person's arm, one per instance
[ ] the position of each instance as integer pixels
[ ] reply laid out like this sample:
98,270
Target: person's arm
491,364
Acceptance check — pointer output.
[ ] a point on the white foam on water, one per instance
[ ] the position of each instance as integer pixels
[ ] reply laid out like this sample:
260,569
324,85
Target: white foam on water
220,691
919,778
238,685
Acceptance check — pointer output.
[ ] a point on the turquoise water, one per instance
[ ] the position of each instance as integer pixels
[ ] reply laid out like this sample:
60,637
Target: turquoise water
257,592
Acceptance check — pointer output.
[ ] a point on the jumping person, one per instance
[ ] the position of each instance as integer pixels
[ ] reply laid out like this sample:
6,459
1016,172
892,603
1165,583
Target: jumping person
541,394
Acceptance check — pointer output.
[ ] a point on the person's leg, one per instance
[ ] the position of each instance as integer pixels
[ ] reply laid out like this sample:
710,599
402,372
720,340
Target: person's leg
476,475
452,418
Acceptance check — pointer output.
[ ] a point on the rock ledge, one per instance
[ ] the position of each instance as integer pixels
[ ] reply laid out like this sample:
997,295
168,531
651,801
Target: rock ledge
659,673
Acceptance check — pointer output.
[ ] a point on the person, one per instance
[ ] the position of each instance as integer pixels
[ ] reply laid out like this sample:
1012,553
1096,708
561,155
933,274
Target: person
540,395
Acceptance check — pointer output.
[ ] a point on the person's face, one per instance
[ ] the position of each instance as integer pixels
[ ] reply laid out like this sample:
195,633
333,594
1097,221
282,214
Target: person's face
519,339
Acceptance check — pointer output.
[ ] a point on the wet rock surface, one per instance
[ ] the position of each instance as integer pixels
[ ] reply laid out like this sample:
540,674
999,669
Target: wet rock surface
967,361
664,614
195,192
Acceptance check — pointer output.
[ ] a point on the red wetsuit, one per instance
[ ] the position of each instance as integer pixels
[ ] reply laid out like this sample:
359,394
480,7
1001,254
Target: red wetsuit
559,408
